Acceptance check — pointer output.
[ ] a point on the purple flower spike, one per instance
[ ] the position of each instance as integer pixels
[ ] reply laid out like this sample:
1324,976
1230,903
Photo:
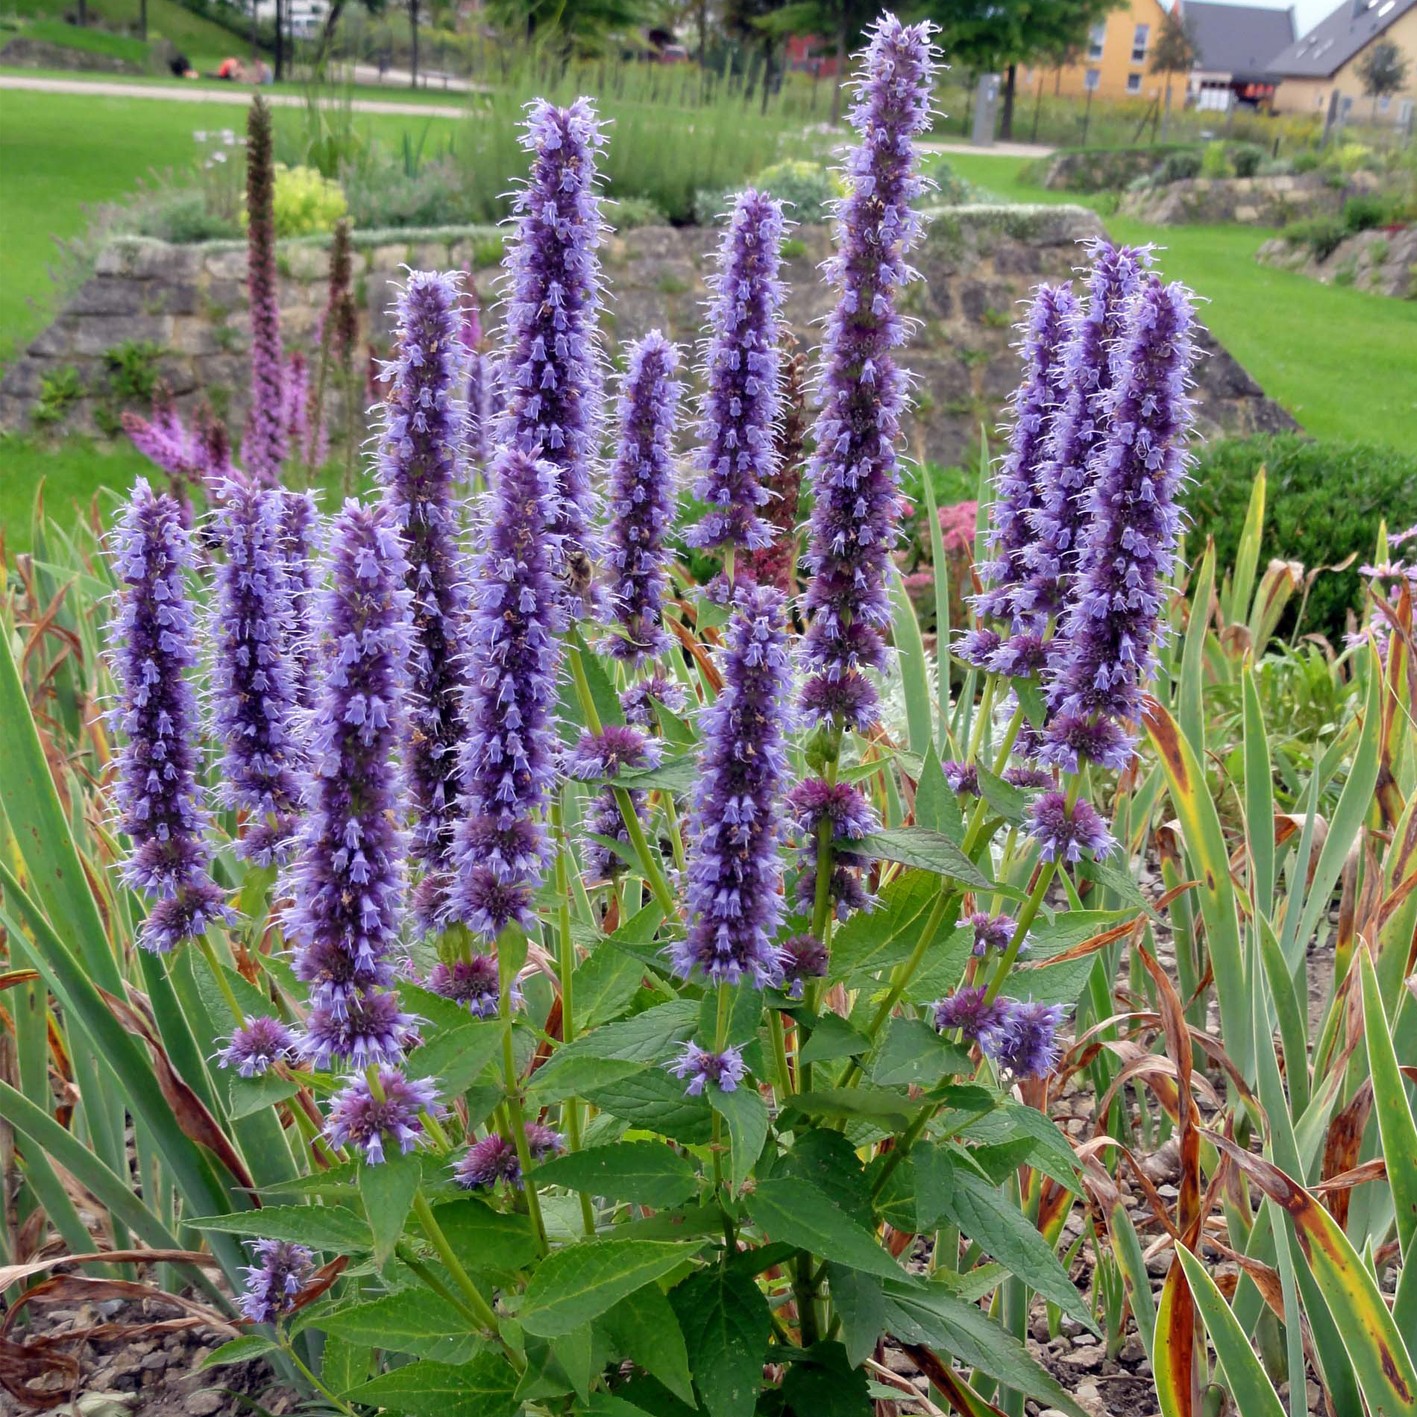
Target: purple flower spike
552,373
804,957
159,801
1078,432
253,693
602,755
508,760
264,447
741,371
542,1142
1027,777
1026,1043
642,499
979,1019
1051,323
475,384
419,455
735,826
724,1070
962,778
257,1046
300,544
276,1280
1107,642
471,982
853,470
360,1118
367,1028
1064,833
346,880
488,1163
637,702
992,932
843,805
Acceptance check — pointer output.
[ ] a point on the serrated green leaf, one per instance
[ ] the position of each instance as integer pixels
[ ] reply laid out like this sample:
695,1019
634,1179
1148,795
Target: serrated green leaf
889,1110
324,1227
240,1350
832,1037
746,1115
827,1160
648,1037
247,1096
654,1101
574,1285
913,1053
388,1191
486,1239
1005,1233
604,984
793,1210
643,1327
726,1324
860,1304
457,1057
926,851
485,1387
824,1382
644,1172
414,1321
872,941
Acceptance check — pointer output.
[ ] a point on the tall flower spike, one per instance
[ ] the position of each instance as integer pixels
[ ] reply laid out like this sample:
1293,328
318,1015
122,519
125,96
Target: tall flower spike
642,498
300,535
264,447
606,755
1078,432
1018,488
159,801
346,881
508,762
177,451
853,471
736,825
1107,644
552,374
253,693
419,455
741,374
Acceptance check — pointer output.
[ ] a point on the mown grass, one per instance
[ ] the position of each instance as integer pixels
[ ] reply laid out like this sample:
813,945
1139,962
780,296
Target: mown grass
200,39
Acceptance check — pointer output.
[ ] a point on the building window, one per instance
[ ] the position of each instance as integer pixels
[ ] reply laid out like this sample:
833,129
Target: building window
1096,37
1139,43
1133,83
1094,78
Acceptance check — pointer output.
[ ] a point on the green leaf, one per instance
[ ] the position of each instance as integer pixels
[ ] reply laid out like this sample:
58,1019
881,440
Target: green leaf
726,1325
825,1383
1004,1232
604,984
928,851
325,1227
746,1114
1010,802
832,1037
574,1285
240,1350
415,1321
827,1160
914,673
1252,1392
485,1387
934,1316
388,1191
457,1057
860,1304
649,1037
794,1210
912,1053
486,1239
916,1197
655,1101
890,1111
936,807
872,941
247,1096
643,1327
645,1172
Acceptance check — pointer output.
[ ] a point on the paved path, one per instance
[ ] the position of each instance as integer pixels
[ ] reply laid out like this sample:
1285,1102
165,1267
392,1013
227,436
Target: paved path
1019,150
237,94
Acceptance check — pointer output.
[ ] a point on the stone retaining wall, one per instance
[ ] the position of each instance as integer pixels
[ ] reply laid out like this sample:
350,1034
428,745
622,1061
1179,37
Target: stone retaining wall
189,303
1248,201
1381,261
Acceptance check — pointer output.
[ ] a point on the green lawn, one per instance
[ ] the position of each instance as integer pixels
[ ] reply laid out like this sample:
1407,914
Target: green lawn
1343,362
201,40
60,153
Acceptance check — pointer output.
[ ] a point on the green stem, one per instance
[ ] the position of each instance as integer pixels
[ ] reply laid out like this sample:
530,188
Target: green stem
222,982
288,1349
1026,918
515,1116
779,1052
485,1315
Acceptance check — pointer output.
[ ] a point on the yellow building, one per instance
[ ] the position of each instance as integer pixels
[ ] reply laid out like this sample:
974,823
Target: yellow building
1115,61
1319,73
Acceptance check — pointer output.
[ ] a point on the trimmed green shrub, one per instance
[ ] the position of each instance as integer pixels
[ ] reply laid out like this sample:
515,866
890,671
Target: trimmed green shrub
1362,213
1215,161
1323,504
1247,159
1321,234
1179,166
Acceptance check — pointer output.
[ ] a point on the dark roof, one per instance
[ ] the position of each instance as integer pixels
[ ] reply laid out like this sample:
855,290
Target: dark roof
1237,39
1334,41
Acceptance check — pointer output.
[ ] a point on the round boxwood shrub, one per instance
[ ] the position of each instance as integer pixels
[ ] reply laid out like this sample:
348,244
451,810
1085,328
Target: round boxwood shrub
1323,503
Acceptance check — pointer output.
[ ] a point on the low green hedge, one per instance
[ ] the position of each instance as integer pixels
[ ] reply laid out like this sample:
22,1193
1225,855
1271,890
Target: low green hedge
1323,503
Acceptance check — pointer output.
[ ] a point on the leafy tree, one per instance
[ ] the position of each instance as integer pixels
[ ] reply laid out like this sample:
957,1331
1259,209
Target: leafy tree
1174,51
580,26
996,36
1383,70
845,20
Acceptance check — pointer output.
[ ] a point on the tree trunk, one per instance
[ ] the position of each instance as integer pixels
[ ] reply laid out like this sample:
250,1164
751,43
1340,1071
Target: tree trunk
1166,112
413,35
1006,122
83,13
327,35
142,19
279,55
